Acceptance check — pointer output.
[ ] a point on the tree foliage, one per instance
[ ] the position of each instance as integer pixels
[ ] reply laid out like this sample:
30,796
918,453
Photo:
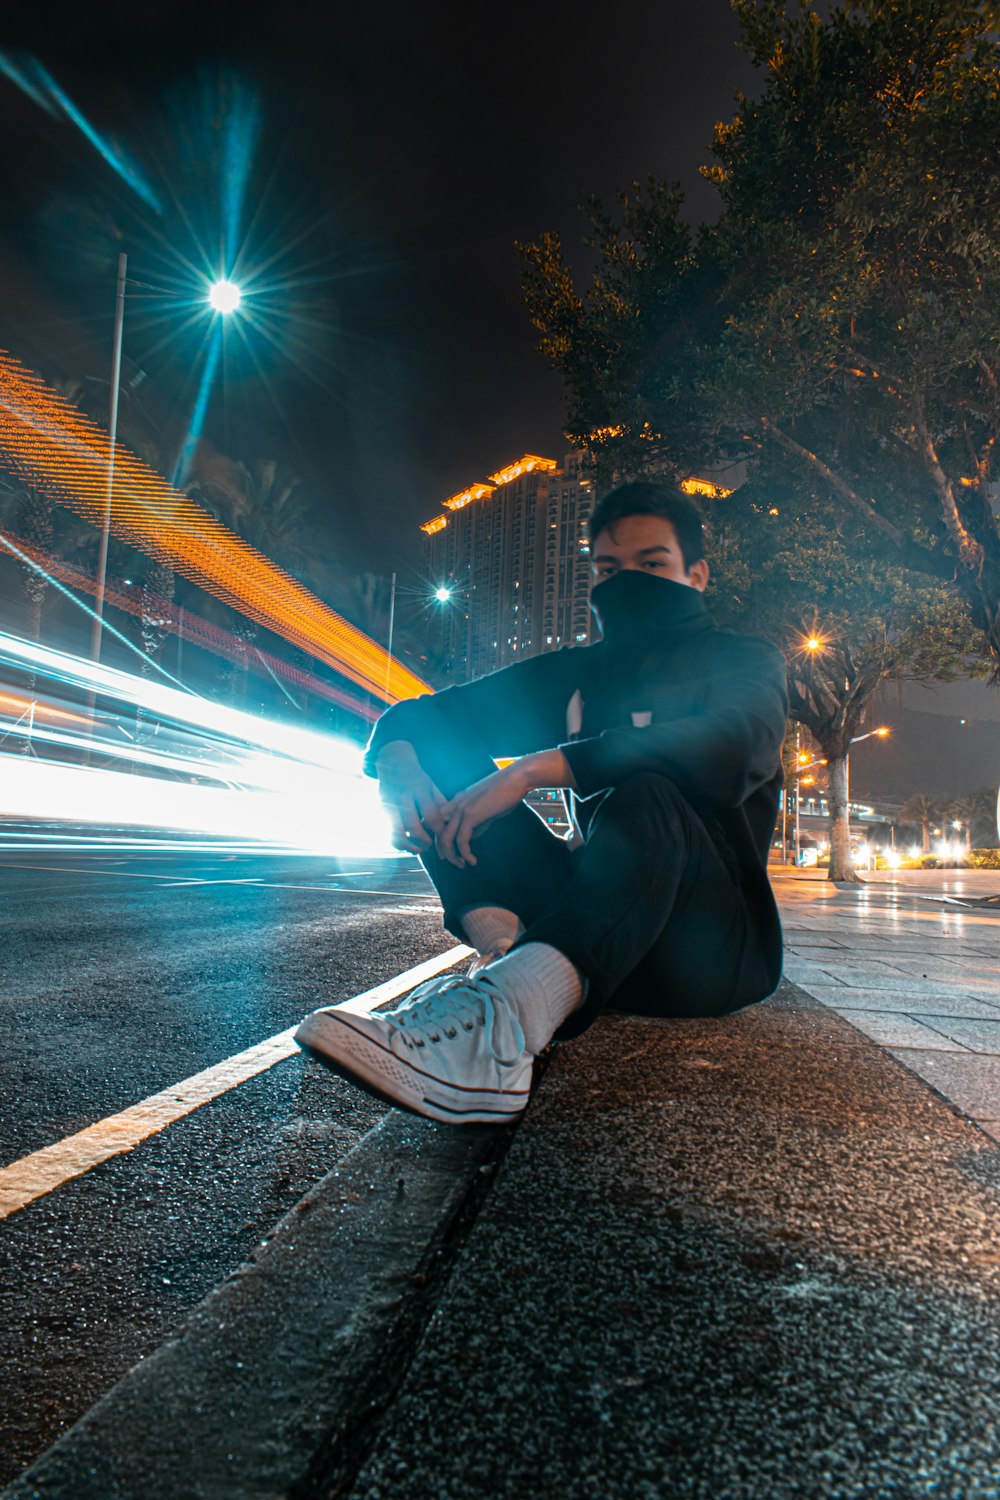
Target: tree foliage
842,319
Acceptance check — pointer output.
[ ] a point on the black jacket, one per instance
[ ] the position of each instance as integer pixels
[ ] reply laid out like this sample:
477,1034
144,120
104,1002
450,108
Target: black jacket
703,706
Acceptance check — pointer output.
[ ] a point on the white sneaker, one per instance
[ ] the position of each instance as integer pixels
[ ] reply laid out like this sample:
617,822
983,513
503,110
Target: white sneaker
453,1050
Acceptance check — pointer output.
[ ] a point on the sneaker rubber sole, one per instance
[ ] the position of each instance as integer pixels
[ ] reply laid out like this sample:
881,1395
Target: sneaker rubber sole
330,1037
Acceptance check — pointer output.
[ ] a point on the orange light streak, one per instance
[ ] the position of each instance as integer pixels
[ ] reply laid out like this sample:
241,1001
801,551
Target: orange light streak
53,446
197,631
17,707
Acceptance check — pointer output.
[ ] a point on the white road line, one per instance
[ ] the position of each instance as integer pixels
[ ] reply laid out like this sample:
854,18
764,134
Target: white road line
43,1171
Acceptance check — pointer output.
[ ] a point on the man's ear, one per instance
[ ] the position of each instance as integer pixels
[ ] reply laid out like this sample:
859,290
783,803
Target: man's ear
698,576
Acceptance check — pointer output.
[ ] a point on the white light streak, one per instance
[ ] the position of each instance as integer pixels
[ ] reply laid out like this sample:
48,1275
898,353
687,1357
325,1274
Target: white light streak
171,763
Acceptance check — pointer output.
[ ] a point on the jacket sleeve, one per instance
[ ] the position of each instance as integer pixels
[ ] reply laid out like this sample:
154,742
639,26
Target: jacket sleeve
718,756
514,711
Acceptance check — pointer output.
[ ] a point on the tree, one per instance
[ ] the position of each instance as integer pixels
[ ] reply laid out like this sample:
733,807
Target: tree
846,622
977,813
843,315
923,809
861,253
260,503
33,524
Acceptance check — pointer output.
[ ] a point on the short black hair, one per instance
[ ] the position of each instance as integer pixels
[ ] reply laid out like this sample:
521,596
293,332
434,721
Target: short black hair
647,497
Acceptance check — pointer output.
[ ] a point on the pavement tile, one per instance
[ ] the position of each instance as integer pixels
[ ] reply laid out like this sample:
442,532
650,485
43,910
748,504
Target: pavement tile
904,1002
977,1035
812,950
896,1029
970,1081
934,969
888,979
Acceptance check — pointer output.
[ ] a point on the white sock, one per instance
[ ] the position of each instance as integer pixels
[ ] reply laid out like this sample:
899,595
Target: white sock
491,929
543,988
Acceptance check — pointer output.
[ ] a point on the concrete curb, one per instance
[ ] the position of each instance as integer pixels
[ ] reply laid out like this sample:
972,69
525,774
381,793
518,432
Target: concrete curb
277,1377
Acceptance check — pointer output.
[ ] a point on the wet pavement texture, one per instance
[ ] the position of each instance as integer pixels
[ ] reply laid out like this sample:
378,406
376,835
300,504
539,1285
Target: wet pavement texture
749,1258
915,965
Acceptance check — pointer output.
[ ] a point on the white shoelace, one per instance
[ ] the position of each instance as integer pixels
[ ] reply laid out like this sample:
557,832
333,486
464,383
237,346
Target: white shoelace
450,1003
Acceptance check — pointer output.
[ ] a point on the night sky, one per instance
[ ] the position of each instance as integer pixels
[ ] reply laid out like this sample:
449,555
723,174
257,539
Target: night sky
401,152
393,156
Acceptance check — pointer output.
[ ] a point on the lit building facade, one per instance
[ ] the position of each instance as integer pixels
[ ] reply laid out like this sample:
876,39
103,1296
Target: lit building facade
512,551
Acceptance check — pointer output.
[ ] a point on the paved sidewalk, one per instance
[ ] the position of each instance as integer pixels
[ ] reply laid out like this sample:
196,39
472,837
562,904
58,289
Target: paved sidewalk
913,961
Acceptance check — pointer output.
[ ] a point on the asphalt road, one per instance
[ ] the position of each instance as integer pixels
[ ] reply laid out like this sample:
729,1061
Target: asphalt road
121,976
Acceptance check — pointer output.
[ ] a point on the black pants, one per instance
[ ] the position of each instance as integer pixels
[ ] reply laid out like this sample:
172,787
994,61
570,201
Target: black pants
647,909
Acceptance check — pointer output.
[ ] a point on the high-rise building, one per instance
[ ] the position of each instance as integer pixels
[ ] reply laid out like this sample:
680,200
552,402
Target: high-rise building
513,555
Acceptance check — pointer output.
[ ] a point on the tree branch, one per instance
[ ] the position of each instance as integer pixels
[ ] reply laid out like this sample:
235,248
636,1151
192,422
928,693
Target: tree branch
838,485
970,550
894,387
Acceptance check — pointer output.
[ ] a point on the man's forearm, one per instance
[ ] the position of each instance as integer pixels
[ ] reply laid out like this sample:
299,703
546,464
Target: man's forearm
543,768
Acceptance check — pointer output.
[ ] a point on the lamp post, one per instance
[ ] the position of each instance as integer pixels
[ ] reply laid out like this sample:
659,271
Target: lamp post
881,733
225,297
97,628
800,770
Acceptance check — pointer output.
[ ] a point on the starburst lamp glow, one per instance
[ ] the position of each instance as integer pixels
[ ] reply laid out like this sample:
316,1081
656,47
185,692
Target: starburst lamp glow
442,595
225,296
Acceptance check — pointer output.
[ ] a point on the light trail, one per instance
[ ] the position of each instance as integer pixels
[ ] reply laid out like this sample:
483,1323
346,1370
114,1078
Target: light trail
198,771
38,84
194,629
50,444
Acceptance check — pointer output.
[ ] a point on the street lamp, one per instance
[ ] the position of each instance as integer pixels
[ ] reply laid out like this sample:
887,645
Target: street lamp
802,764
224,295
881,733
442,595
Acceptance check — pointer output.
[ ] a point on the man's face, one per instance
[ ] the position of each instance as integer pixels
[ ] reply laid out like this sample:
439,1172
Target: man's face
645,544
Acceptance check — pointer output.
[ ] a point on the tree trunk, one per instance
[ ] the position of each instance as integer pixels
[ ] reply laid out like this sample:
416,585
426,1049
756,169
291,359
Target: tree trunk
925,829
841,867
33,623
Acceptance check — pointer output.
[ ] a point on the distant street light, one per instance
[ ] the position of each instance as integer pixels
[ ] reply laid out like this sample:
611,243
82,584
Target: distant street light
225,296
442,595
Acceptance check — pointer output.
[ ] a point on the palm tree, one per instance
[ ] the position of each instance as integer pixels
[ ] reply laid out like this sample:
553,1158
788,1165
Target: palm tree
34,526
963,810
922,809
260,502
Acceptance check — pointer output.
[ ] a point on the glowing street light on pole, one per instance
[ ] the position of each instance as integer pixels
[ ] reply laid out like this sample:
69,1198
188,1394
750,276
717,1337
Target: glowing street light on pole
881,733
225,296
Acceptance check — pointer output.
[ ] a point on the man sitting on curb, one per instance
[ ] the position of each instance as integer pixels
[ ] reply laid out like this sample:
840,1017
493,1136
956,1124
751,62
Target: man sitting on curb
667,733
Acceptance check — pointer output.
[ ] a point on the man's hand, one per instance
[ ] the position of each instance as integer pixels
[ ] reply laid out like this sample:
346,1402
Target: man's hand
472,811
409,796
